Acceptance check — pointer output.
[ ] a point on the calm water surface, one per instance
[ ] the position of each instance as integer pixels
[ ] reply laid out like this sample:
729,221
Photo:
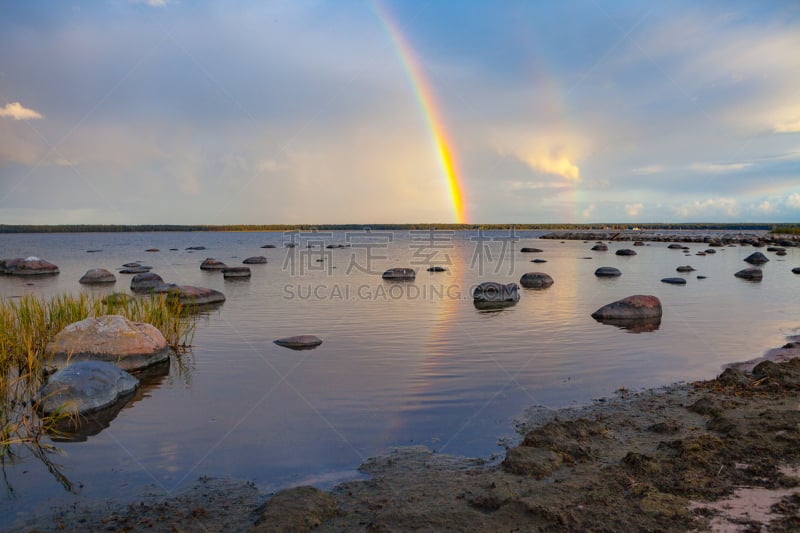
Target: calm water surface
409,363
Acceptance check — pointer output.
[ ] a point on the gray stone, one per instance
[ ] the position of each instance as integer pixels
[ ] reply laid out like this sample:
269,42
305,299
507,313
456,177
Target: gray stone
109,338
685,268
625,251
756,258
212,264
600,247
401,274
29,266
750,274
299,342
135,270
191,295
536,280
674,281
85,387
145,282
256,260
531,250
436,269
633,307
97,276
607,272
236,272
493,294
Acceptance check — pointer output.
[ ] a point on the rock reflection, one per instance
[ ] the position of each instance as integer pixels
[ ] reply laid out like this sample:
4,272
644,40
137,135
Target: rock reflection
633,325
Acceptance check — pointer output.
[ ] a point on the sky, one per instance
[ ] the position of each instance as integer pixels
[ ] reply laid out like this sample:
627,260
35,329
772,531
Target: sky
387,111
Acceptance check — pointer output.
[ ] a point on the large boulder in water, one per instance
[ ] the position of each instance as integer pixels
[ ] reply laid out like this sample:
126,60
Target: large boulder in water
110,338
636,307
85,387
146,281
600,247
29,266
607,272
191,295
491,294
756,258
97,276
625,251
750,274
212,264
400,274
536,280
236,272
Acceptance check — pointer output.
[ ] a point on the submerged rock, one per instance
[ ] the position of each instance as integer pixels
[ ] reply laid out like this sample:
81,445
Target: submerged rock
796,270
625,251
146,281
750,274
685,268
236,272
491,294
195,248
97,276
436,269
256,260
212,264
110,338
191,295
536,280
634,307
299,342
607,272
530,250
268,246
400,273
139,269
85,387
29,266
600,247
756,258
674,281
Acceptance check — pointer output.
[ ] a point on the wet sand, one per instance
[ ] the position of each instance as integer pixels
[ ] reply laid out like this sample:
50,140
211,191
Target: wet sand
719,455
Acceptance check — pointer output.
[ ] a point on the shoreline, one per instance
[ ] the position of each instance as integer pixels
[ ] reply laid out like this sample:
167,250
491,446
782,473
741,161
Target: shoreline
721,455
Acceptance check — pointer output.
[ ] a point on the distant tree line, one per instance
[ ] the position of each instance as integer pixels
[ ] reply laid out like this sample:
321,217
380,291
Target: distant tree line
101,228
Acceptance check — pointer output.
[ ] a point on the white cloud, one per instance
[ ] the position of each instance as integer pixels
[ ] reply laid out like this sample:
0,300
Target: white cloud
588,212
556,163
794,200
765,207
708,208
791,125
717,168
649,169
633,209
16,111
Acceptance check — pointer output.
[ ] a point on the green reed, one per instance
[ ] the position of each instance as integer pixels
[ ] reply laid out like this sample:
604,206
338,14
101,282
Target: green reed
29,323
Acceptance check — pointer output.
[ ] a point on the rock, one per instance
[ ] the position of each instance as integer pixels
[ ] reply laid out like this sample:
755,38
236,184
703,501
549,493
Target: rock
625,251
299,509
195,247
191,295
299,342
675,246
685,268
638,243
135,270
536,280
781,253
268,246
733,377
491,294
93,251
152,250
607,272
700,253
711,250
600,247
85,387
236,272
212,264
701,277
132,265
110,338
29,266
436,269
796,270
145,281
531,250
750,274
403,274
674,281
756,258
97,276
631,308
538,260
289,244
776,249
256,260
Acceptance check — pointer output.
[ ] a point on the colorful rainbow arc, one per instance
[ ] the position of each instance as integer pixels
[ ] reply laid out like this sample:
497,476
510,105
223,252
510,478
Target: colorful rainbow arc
429,108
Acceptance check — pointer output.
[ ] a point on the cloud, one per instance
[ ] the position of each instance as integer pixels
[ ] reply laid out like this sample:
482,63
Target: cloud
649,169
765,207
589,211
16,111
719,167
151,3
708,208
794,200
633,209
791,125
555,163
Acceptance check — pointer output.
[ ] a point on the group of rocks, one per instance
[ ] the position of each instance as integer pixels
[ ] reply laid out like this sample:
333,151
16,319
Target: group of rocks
232,272
722,240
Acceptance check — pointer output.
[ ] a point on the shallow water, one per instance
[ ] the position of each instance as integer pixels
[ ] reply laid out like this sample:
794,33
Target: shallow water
401,363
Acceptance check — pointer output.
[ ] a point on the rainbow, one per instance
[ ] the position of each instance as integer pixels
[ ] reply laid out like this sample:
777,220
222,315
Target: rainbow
427,102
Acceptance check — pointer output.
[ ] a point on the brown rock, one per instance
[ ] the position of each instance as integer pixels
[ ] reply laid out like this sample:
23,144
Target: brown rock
299,509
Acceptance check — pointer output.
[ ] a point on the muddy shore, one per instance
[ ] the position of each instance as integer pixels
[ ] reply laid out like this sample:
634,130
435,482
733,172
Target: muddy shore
719,455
